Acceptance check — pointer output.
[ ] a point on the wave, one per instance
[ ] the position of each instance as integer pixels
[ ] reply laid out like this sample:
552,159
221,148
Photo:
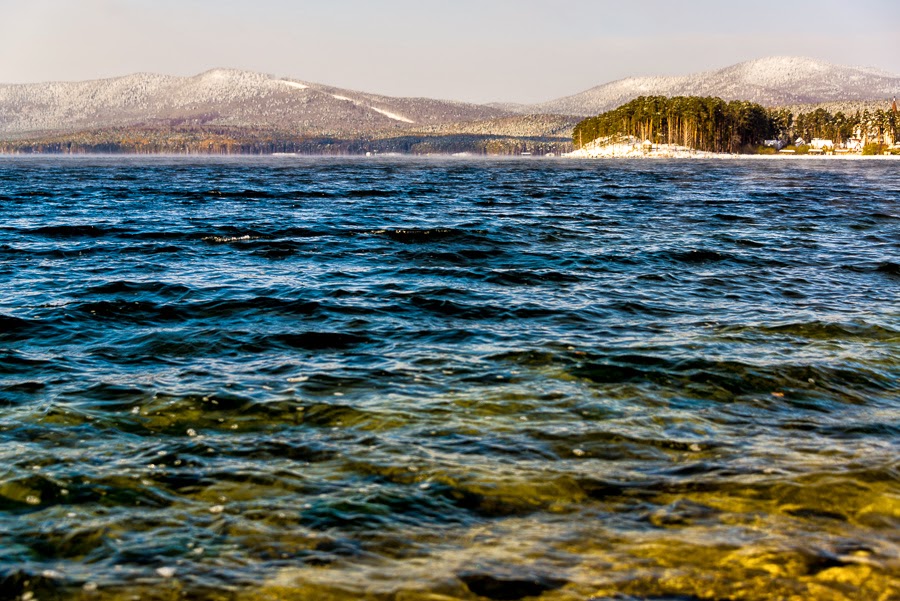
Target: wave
737,379
519,277
148,312
889,268
313,341
138,287
418,236
819,330
77,231
700,256
14,329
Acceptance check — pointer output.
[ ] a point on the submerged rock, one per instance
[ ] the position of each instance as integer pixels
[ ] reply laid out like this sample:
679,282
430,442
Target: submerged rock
509,586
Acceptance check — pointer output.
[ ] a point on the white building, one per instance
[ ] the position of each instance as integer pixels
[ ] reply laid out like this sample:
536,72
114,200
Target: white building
822,144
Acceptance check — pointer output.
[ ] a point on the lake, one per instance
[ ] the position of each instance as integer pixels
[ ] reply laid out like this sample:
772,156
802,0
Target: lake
434,379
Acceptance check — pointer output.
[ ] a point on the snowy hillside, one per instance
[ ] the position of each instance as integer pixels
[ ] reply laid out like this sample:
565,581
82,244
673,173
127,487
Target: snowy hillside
221,97
770,81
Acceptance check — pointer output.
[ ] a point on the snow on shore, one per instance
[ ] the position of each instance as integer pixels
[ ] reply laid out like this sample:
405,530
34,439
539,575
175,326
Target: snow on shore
682,153
628,147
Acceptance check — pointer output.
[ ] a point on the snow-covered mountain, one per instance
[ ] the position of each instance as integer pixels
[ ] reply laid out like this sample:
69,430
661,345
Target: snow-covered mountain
247,103
221,97
772,81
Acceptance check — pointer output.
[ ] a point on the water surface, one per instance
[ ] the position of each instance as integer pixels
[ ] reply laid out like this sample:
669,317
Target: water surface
448,379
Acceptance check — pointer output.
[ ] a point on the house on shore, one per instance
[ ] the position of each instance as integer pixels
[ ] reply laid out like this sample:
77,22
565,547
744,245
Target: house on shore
821,146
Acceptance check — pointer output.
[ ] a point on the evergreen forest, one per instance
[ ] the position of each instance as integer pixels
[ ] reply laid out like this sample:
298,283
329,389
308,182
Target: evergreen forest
713,125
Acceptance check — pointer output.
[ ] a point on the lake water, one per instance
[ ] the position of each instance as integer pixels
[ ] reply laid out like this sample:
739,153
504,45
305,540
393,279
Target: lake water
410,379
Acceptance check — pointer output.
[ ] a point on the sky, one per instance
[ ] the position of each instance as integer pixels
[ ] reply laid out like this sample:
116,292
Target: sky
472,50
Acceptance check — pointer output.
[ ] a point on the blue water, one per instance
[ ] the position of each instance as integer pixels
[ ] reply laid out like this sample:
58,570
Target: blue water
449,379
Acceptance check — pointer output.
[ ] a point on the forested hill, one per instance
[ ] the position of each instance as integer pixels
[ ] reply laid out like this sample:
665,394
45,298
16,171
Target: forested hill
708,124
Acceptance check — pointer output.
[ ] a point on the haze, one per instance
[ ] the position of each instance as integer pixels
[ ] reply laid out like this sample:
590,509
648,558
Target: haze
501,50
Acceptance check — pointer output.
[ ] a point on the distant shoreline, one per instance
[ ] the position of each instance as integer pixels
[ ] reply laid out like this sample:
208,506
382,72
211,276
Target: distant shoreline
699,156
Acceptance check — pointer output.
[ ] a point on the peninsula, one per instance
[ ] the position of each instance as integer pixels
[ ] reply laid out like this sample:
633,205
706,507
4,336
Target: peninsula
687,126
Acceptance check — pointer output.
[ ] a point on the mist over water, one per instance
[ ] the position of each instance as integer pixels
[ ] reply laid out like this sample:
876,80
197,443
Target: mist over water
448,379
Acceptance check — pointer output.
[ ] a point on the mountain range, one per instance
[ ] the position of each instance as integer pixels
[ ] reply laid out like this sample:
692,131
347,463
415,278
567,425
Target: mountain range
243,104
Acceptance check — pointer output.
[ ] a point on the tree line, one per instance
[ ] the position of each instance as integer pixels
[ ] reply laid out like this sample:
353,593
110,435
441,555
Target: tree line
714,125
708,124
876,127
225,141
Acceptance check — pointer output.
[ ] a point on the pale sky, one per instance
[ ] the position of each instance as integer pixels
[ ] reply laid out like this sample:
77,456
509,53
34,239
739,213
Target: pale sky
480,51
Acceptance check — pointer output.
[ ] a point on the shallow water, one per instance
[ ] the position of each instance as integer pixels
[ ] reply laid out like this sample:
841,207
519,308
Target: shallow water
448,379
